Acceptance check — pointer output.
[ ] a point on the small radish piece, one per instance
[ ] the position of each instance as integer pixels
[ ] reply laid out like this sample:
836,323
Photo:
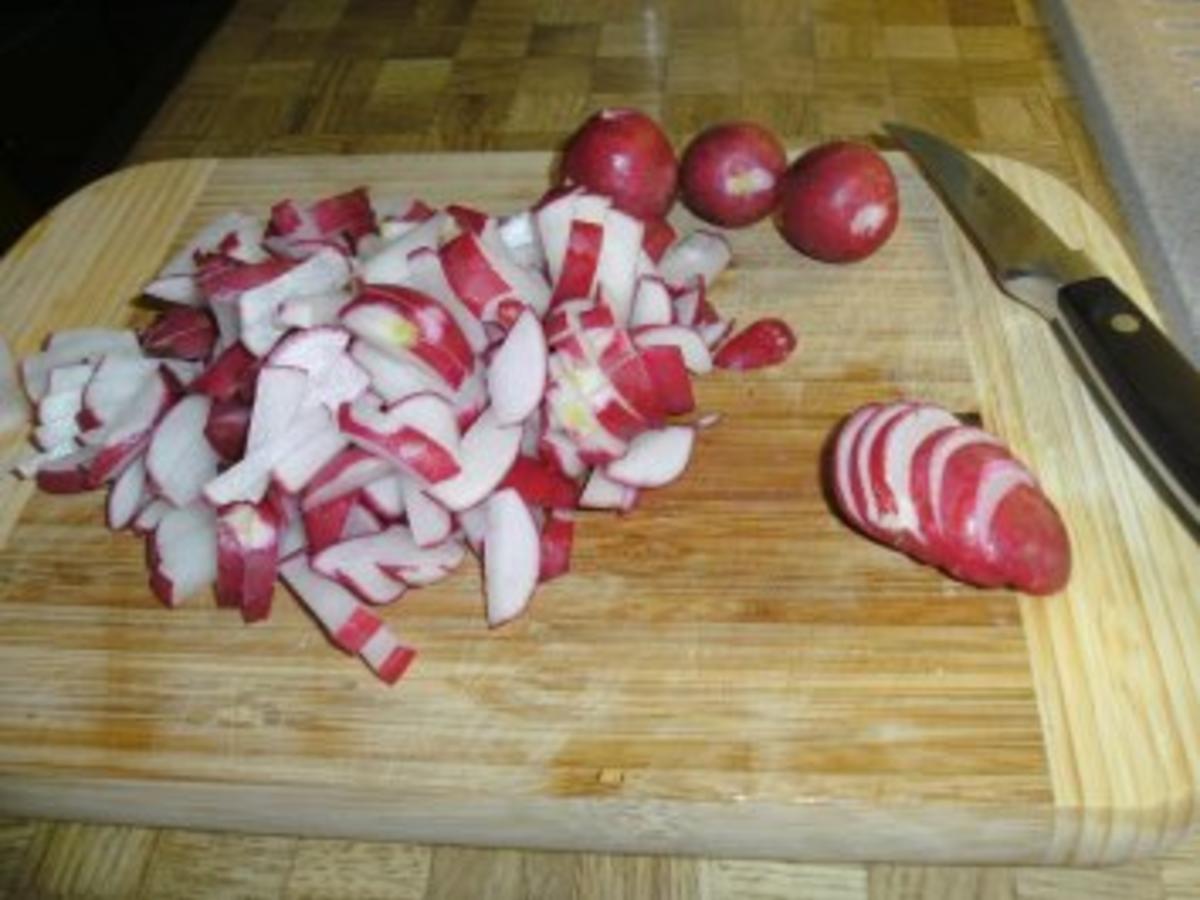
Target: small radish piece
128,494
236,234
227,427
654,458
657,238
62,470
391,264
183,332
520,236
248,558
385,496
843,456
651,303
486,453
126,436
601,492
355,564
387,656
258,308
249,478
558,536
312,310
277,401
696,356
334,377
302,464
337,222
585,241
512,558
553,220
66,348
229,374
540,484
349,624
114,383
516,378
560,451
346,473
623,154
404,323
616,270
419,434
402,558
179,460
839,202
399,214
394,378
730,174
427,276
767,342
150,515
702,254
184,552
428,520
360,521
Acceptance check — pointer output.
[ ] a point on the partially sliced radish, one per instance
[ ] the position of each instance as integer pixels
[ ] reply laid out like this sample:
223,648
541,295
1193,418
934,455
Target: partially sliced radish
512,557
184,551
516,378
179,460
486,453
654,458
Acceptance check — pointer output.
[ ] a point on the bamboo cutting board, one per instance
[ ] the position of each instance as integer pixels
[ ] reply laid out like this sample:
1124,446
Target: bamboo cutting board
728,671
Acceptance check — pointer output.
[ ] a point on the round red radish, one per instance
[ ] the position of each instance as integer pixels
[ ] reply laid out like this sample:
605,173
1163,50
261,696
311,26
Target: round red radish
838,202
623,154
730,174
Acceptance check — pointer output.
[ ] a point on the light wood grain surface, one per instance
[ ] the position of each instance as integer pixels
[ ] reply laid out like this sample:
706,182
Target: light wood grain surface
332,76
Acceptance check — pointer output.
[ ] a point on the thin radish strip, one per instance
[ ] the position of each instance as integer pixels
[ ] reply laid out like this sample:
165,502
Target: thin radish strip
512,558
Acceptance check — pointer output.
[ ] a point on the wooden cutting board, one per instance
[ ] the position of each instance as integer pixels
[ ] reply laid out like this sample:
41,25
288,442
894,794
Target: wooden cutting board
727,671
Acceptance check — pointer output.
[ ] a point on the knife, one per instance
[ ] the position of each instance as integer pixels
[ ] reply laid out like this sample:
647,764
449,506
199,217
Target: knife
1147,388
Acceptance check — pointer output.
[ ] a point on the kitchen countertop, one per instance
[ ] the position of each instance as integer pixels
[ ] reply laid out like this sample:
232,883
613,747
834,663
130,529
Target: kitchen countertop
361,77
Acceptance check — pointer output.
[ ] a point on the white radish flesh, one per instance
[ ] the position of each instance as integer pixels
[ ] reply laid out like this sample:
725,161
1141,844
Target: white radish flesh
14,412
179,460
486,454
696,356
601,492
516,378
185,553
127,496
511,556
654,458
429,521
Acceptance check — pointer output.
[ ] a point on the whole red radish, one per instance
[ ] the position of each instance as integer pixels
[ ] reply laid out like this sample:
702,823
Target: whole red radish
838,202
730,174
623,154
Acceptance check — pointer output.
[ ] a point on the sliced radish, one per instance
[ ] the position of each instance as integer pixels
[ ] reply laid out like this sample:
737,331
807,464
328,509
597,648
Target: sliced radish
843,457
419,434
312,310
182,332
395,378
350,471
695,354
236,234
360,521
387,656
179,460
248,558
891,466
616,271
516,378
429,521
184,551
560,451
349,624
557,538
553,222
128,494
228,375
520,235
114,383
540,484
278,399
512,557
258,307
654,458
334,377
427,276
473,523
249,478
667,370
391,263
355,563
301,465
651,303
227,428
150,515
486,453
385,496
66,348
601,492
126,436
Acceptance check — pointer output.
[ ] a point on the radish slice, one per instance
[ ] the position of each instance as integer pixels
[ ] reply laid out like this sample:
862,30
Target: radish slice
75,346
861,463
184,552
355,563
418,435
150,515
312,310
14,412
395,378
125,438
703,254
473,523
601,492
553,221
258,308
278,398
512,559
651,303
56,433
247,558
654,458
892,466
385,496
950,443
427,276
352,470
428,520
248,479
997,480
127,496
387,656
616,270
391,264
360,522
516,378
301,465
696,355
235,234
349,624
520,236
179,460
486,454
843,456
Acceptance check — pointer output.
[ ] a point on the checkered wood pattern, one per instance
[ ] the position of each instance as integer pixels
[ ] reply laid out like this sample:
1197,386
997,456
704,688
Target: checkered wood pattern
370,76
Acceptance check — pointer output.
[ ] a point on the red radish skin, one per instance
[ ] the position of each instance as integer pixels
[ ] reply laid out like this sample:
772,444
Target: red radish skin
183,332
623,154
557,539
768,342
540,484
228,425
839,203
729,174
666,368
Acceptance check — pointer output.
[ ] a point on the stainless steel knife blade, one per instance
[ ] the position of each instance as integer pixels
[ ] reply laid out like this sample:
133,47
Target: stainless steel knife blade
1027,258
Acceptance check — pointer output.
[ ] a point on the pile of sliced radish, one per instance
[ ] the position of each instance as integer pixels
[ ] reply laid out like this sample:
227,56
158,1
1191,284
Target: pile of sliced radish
350,395
912,476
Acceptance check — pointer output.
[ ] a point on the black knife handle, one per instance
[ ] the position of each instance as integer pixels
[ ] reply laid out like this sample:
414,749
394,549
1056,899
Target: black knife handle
1149,390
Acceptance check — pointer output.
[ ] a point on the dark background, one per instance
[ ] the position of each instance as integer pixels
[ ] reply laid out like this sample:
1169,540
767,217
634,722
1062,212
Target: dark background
81,80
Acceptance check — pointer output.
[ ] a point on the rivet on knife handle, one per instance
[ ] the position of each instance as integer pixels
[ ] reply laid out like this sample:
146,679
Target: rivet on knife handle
1149,390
